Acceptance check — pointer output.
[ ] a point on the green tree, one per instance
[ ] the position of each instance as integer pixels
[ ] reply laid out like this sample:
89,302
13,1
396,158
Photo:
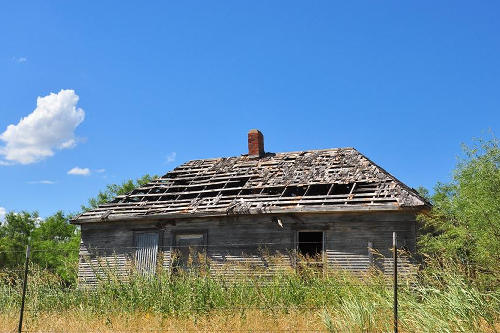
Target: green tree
55,244
54,241
464,223
112,190
14,235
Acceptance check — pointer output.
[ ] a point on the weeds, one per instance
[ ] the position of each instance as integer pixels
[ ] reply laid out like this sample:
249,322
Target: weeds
435,301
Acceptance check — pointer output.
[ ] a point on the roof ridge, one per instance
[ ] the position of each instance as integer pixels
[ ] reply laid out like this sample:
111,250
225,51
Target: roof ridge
273,154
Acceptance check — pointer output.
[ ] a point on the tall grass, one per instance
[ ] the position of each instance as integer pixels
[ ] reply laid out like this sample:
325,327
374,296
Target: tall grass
438,300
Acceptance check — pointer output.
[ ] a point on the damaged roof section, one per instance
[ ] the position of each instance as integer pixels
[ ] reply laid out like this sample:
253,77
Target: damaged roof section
316,180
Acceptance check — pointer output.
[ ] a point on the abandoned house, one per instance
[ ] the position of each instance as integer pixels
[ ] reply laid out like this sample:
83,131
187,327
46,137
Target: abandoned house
334,205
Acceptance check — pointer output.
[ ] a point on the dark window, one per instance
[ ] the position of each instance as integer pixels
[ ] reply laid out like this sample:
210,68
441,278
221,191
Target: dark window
310,243
189,247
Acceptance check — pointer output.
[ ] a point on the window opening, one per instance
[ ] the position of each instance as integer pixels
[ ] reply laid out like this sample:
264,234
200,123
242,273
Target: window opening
189,251
310,244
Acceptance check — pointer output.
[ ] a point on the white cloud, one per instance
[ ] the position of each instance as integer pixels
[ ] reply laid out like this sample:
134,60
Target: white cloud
49,127
19,60
100,170
79,171
47,182
171,157
3,211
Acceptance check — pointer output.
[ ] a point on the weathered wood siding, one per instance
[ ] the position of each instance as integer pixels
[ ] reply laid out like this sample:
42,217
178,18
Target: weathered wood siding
105,249
257,242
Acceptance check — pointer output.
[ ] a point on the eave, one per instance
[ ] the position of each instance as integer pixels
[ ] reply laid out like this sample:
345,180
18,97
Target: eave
268,211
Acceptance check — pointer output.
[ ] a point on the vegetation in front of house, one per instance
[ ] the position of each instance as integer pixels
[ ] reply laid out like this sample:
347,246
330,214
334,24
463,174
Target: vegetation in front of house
457,289
439,300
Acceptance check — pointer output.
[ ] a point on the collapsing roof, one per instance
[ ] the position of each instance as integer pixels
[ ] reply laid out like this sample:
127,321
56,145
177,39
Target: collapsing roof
309,181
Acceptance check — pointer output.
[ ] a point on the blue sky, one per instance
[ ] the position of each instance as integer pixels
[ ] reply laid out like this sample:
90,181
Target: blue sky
162,83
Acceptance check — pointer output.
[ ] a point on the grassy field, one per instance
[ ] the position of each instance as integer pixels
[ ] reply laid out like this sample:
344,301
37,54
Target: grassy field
439,300
216,321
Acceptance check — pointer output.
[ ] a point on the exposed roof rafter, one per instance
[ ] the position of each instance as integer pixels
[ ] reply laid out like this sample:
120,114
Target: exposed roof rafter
333,178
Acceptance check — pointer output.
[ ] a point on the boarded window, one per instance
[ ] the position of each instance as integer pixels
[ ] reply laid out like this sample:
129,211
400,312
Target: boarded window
146,252
189,250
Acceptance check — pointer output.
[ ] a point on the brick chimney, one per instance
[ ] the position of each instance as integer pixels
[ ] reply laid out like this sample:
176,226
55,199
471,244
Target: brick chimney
255,143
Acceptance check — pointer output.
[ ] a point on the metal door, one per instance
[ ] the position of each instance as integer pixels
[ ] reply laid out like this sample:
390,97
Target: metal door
146,252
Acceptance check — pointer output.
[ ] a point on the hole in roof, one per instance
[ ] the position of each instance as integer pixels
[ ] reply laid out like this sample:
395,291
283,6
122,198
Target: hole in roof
175,189
341,189
210,194
167,197
195,188
231,192
200,179
132,199
365,187
250,191
188,196
318,189
139,191
180,182
295,191
215,186
272,190
237,183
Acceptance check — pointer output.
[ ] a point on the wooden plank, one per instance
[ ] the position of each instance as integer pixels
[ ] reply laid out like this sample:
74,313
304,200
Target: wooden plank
214,177
240,245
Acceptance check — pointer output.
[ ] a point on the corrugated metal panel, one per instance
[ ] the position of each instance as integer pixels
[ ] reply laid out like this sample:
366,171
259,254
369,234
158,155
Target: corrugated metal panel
146,252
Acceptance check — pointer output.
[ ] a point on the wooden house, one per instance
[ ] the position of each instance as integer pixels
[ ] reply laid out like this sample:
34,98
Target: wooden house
332,204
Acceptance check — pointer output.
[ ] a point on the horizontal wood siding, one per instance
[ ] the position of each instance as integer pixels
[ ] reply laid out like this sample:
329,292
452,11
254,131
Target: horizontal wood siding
106,250
102,264
250,246
165,256
348,243
258,244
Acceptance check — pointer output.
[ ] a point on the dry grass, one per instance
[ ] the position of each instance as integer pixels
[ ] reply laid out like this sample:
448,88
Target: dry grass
246,321
216,321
